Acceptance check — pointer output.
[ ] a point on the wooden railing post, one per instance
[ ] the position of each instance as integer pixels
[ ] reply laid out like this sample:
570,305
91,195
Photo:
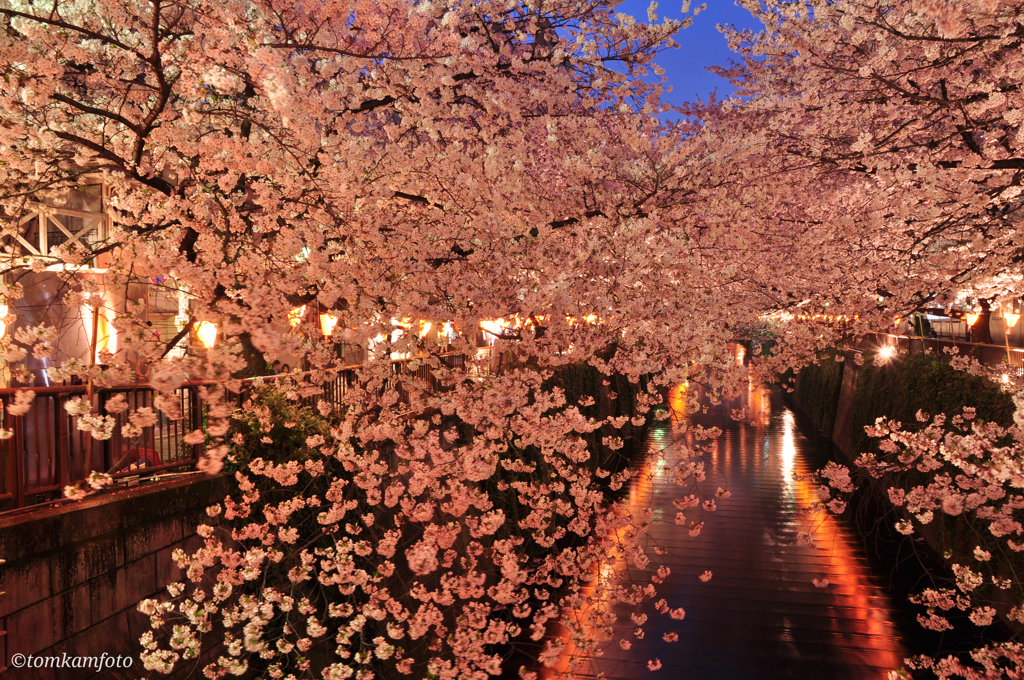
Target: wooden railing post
108,454
62,443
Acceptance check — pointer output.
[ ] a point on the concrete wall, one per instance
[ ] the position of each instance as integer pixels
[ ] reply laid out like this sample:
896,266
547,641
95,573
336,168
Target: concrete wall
842,431
74,573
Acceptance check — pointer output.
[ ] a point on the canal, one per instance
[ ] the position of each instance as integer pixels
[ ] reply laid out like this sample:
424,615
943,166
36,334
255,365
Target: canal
760,615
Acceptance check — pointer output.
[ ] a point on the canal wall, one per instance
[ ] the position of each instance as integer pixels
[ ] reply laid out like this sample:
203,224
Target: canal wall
899,389
74,573
841,398
842,427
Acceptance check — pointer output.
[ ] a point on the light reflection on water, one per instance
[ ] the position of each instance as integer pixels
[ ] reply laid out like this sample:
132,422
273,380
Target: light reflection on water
788,449
760,616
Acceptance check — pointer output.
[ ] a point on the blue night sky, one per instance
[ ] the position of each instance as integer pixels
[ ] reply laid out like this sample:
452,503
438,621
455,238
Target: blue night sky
701,45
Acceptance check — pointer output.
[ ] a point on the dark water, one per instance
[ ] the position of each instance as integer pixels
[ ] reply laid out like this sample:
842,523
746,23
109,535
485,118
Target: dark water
760,615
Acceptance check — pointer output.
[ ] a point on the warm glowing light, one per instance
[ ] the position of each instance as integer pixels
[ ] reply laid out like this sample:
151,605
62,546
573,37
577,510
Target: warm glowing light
887,352
207,334
295,316
896,322
1011,319
788,447
677,402
327,324
106,335
971,319
494,326
3,313
1006,378
425,327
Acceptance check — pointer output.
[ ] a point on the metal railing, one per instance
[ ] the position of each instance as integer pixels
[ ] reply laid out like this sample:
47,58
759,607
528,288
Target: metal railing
1010,358
47,452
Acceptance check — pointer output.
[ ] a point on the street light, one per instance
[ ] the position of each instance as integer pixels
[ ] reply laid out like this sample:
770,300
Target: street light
295,316
207,334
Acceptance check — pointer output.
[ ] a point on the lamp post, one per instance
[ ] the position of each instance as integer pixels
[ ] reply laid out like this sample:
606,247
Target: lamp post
4,309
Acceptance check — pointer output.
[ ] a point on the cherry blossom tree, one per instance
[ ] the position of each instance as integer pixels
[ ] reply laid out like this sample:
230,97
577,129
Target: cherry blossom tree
901,119
885,141
391,162
379,162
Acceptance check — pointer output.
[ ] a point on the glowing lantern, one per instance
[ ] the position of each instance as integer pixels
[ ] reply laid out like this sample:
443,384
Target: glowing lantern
327,324
425,327
971,319
1011,319
3,326
295,316
207,334
494,326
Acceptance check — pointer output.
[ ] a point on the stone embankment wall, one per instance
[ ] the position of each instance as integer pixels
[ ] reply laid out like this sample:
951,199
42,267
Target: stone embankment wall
74,573
842,430
841,398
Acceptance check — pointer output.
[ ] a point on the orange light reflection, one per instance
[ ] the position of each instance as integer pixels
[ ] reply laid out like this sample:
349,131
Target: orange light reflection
857,616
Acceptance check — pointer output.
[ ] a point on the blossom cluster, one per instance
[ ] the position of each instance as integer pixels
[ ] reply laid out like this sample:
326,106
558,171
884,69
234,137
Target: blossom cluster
421,546
965,471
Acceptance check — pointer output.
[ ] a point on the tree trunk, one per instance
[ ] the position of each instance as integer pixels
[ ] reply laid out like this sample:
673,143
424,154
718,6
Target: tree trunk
255,363
982,330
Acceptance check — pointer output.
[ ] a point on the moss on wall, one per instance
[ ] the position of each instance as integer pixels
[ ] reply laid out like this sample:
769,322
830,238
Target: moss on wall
922,382
817,391
897,390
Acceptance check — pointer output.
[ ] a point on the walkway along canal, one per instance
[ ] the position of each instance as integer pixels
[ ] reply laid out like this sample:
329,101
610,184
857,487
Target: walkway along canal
760,615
